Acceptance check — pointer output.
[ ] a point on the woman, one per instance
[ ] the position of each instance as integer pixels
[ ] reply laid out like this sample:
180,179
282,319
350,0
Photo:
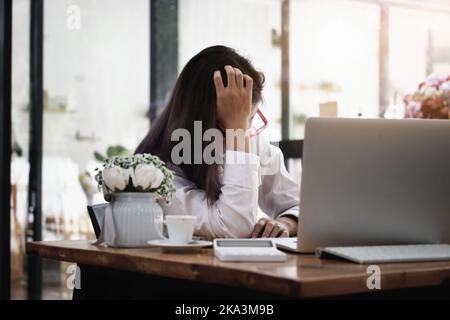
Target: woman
222,89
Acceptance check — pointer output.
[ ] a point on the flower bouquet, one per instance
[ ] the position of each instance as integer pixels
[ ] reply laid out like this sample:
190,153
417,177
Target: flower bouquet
136,173
431,100
135,183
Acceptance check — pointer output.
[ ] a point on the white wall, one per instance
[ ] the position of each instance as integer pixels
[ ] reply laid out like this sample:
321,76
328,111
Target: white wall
336,42
245,25
103,68
409,44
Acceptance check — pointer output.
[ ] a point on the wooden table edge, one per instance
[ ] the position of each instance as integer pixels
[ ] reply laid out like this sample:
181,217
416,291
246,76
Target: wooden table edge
285,287
288,288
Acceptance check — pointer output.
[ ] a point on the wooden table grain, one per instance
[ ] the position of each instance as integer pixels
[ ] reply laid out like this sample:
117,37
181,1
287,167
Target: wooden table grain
301,276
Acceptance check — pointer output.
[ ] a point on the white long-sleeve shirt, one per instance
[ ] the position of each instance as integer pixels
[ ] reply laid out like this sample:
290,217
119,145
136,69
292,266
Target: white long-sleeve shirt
256,179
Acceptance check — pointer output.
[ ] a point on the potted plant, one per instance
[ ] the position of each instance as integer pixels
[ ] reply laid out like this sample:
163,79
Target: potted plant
431,100
135,183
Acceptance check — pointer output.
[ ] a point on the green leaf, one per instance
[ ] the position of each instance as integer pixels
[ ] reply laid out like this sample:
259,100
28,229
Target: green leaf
99,157
117,151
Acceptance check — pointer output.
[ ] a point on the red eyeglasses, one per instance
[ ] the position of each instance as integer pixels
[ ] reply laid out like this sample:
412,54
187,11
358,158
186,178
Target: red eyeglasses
259,123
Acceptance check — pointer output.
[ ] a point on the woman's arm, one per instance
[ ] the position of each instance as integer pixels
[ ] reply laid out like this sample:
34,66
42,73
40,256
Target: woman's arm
279,195
234,214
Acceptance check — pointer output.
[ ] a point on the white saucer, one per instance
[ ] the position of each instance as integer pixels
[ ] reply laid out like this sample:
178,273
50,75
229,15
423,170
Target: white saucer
166,245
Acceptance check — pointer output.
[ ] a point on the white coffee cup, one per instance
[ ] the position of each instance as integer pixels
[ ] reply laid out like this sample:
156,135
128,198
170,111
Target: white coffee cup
180,228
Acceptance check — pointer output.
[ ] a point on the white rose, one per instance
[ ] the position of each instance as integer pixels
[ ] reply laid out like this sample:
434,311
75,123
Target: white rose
147,176
116,178
159,179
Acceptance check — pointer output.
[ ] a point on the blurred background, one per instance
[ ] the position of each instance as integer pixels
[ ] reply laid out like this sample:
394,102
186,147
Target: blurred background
107,67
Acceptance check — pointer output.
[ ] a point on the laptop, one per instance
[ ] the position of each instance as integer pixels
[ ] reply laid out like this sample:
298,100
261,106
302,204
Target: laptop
371,182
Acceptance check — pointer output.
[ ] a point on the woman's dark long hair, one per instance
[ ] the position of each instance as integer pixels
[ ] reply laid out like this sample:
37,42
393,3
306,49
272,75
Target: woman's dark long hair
194,99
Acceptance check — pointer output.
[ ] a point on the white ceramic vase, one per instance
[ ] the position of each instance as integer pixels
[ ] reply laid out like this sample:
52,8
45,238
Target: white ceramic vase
137,218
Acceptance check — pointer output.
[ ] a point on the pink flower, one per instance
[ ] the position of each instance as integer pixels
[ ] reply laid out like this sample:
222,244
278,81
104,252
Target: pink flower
445,86
432,94
435,80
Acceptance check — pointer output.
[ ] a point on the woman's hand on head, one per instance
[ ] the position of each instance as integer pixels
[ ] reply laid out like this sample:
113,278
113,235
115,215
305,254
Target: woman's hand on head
275,228
234,102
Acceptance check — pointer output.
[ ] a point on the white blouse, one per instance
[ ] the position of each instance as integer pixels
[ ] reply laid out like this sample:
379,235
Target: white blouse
257,179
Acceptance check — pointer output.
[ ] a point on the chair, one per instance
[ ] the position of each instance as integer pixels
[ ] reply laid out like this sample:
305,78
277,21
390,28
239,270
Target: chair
292,149
293,155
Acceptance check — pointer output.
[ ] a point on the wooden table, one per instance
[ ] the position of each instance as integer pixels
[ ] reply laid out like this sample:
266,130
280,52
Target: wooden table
150,273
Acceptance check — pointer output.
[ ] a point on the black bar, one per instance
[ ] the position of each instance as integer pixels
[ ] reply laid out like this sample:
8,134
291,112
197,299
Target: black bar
34,266
5,147
163,52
